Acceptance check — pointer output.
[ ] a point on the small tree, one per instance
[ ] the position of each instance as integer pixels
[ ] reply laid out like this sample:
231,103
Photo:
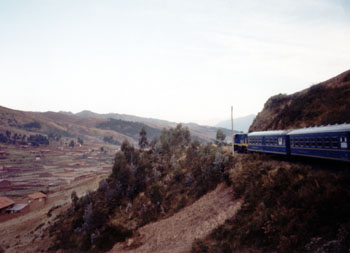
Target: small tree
72,144
220,137
143,142
74,198
80,141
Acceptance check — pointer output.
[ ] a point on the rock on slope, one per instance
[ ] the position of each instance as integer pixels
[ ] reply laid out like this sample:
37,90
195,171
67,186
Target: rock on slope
321,104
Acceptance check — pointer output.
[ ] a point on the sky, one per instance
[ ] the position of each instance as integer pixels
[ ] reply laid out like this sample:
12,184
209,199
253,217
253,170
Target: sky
182,61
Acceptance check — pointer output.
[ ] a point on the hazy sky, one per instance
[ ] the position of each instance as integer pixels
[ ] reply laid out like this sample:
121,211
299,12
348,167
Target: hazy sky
179,60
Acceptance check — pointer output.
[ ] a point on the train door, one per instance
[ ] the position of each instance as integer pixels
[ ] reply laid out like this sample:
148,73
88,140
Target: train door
343,142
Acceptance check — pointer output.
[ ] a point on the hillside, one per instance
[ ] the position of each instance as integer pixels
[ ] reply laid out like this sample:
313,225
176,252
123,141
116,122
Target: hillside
93,127
204,133
321,104
126,117
57,124
145,186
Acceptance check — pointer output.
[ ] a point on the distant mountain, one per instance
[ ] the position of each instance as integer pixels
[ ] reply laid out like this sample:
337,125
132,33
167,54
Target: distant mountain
204,133
94,127
321,104
240,124
126,117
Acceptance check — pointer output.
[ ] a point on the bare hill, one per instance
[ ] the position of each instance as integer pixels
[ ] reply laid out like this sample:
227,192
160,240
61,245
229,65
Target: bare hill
321,104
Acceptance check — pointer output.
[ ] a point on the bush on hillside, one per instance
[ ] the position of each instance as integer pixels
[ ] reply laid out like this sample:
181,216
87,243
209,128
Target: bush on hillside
143,187
287,208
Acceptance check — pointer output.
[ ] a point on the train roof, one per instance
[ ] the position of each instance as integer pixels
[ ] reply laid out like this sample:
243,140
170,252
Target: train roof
322,129
241,134
264,133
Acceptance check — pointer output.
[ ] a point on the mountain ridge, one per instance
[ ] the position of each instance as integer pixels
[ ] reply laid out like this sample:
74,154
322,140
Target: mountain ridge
240,124
89,125
321,104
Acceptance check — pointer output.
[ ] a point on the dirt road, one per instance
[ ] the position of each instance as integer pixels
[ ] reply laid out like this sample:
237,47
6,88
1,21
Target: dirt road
177,233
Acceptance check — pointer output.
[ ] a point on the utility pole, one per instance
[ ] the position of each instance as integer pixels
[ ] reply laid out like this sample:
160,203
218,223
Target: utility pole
233,135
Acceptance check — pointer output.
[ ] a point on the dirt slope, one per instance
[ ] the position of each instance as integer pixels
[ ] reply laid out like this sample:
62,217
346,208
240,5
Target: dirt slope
177,233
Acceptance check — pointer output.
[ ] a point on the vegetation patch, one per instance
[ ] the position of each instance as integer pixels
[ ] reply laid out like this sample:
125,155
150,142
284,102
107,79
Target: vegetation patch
146,185
128,128
288,207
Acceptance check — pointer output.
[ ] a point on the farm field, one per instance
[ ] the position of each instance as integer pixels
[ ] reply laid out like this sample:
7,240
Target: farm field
49,168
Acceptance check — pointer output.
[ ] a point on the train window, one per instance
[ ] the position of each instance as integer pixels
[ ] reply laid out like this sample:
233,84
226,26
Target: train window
319,142
267,141
307,143
312,142
275,141
335,143
292,142
297,142
326,142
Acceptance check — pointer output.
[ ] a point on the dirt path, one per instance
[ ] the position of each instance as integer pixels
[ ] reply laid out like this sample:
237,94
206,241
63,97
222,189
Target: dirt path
177,233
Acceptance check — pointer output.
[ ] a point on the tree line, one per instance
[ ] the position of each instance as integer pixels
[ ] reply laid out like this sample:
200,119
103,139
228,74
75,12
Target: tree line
22,139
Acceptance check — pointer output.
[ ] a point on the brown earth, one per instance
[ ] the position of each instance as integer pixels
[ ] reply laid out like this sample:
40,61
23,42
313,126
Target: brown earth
178,232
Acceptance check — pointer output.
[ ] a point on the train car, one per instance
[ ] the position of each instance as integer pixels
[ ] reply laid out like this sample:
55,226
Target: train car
241,142
275,142
327,142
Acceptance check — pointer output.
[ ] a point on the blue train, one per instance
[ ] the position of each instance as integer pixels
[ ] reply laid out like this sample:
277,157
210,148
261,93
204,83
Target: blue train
326,142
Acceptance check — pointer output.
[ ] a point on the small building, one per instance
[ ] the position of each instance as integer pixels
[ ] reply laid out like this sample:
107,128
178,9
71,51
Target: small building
45,174
17,208
38,196
5,203
4,183
45,151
